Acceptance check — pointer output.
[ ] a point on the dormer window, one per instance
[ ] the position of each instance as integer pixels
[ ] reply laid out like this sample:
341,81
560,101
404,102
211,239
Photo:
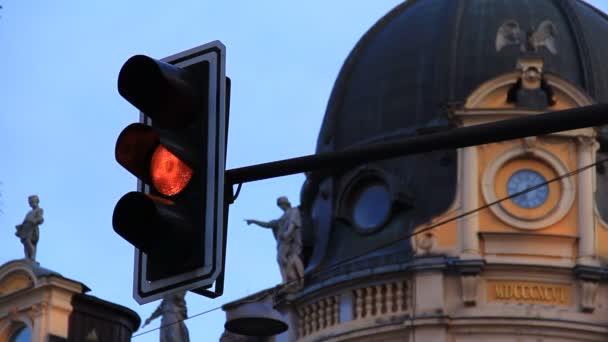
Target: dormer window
368,200
371,205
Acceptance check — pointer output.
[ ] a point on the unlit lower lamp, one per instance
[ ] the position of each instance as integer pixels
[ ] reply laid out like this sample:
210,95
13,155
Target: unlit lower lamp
255,319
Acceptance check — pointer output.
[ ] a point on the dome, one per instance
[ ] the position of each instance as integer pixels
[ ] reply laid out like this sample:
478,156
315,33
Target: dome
425,55
401,79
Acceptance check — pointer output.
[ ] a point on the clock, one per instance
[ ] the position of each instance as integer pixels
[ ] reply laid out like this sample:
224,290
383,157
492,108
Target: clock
524,179
512,172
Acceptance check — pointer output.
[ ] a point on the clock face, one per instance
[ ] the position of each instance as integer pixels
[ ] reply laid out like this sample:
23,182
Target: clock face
524,179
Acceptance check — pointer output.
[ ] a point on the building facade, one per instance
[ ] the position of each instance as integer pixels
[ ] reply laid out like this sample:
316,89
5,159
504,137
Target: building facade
40,305
495,264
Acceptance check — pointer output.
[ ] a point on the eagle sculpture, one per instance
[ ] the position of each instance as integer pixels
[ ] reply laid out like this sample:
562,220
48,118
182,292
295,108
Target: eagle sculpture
509,33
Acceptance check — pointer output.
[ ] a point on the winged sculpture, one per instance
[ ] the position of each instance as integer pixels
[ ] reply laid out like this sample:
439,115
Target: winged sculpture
510,33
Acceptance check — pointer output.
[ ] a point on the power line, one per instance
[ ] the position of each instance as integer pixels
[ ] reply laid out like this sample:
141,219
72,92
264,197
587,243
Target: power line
409,235
176,322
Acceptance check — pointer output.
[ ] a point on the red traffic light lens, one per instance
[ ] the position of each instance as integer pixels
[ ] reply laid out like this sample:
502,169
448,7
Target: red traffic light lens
169,174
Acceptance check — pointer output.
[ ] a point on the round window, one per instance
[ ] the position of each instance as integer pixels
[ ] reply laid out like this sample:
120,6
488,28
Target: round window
371,205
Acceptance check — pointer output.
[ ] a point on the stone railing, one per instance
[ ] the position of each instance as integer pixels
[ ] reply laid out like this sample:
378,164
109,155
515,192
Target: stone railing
321,314
360,303
381,299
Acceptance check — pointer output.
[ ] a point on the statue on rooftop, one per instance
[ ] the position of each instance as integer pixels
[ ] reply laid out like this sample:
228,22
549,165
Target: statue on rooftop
287,231
28,231
173,311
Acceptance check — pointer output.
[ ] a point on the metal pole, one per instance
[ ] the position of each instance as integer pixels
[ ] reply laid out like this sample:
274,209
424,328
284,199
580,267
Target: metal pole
565,120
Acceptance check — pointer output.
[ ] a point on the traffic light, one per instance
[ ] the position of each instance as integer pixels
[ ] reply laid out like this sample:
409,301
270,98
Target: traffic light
176,219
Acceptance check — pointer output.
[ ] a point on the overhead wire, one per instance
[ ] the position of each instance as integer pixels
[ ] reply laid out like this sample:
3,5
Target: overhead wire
408,235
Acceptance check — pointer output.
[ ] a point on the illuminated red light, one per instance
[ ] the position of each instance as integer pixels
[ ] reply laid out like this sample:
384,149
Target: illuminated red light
169,174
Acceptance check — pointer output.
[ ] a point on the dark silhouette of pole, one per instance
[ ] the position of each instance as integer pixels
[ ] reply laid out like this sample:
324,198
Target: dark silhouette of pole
533,125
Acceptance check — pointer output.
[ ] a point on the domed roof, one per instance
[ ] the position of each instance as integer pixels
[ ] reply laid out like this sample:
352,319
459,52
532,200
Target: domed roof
422,58
427,54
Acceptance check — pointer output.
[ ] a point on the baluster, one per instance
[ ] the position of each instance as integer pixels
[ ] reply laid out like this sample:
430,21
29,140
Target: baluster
322,321
315,317
336,310
328,311
406,295
368,301
388,298
308,320
301,315
378,300
358,303
399,294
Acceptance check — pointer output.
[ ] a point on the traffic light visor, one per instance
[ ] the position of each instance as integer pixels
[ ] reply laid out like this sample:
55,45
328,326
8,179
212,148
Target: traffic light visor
162,91
134,148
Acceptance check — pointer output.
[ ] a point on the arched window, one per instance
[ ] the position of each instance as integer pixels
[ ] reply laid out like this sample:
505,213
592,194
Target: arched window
22,334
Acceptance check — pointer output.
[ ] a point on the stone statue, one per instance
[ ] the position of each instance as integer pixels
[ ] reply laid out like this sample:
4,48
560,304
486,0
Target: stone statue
173,311
287,232
510,33
28,231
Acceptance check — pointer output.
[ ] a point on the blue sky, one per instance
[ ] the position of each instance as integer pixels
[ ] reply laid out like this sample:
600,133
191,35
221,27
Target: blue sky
60,116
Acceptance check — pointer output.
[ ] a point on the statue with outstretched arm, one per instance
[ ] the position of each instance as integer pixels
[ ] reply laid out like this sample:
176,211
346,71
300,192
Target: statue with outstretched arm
287,232
173,311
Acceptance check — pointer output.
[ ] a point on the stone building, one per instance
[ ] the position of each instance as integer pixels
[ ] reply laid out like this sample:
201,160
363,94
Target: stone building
40,305
528,268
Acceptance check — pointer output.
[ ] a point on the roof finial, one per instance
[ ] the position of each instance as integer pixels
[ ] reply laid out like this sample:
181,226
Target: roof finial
509,33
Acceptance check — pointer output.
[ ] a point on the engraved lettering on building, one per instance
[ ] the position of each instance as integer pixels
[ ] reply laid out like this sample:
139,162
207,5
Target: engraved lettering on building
529,292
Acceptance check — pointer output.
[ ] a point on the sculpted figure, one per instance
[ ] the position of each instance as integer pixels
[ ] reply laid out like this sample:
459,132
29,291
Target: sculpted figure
28,231
287,232
173,311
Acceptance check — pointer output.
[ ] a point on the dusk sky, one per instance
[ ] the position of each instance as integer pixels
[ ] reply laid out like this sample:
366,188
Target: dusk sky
60,114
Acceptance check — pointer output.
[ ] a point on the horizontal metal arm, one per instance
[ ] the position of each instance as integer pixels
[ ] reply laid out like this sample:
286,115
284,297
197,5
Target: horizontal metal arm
539,124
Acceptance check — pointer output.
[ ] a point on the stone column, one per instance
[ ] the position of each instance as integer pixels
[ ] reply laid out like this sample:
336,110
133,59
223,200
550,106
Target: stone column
469,187
39,318
586,147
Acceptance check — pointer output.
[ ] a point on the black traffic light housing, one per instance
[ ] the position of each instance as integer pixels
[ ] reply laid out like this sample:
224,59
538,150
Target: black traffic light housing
177,218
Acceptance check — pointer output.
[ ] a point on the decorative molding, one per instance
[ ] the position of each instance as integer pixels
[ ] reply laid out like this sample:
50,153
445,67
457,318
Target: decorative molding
589,273
576,94
469,266
588,295
587,246
469,270
555,247
14,282
13,314
588,143
468,226
39,310
16,267
487,88
504,82
530,143
470,286
531,72
425,244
